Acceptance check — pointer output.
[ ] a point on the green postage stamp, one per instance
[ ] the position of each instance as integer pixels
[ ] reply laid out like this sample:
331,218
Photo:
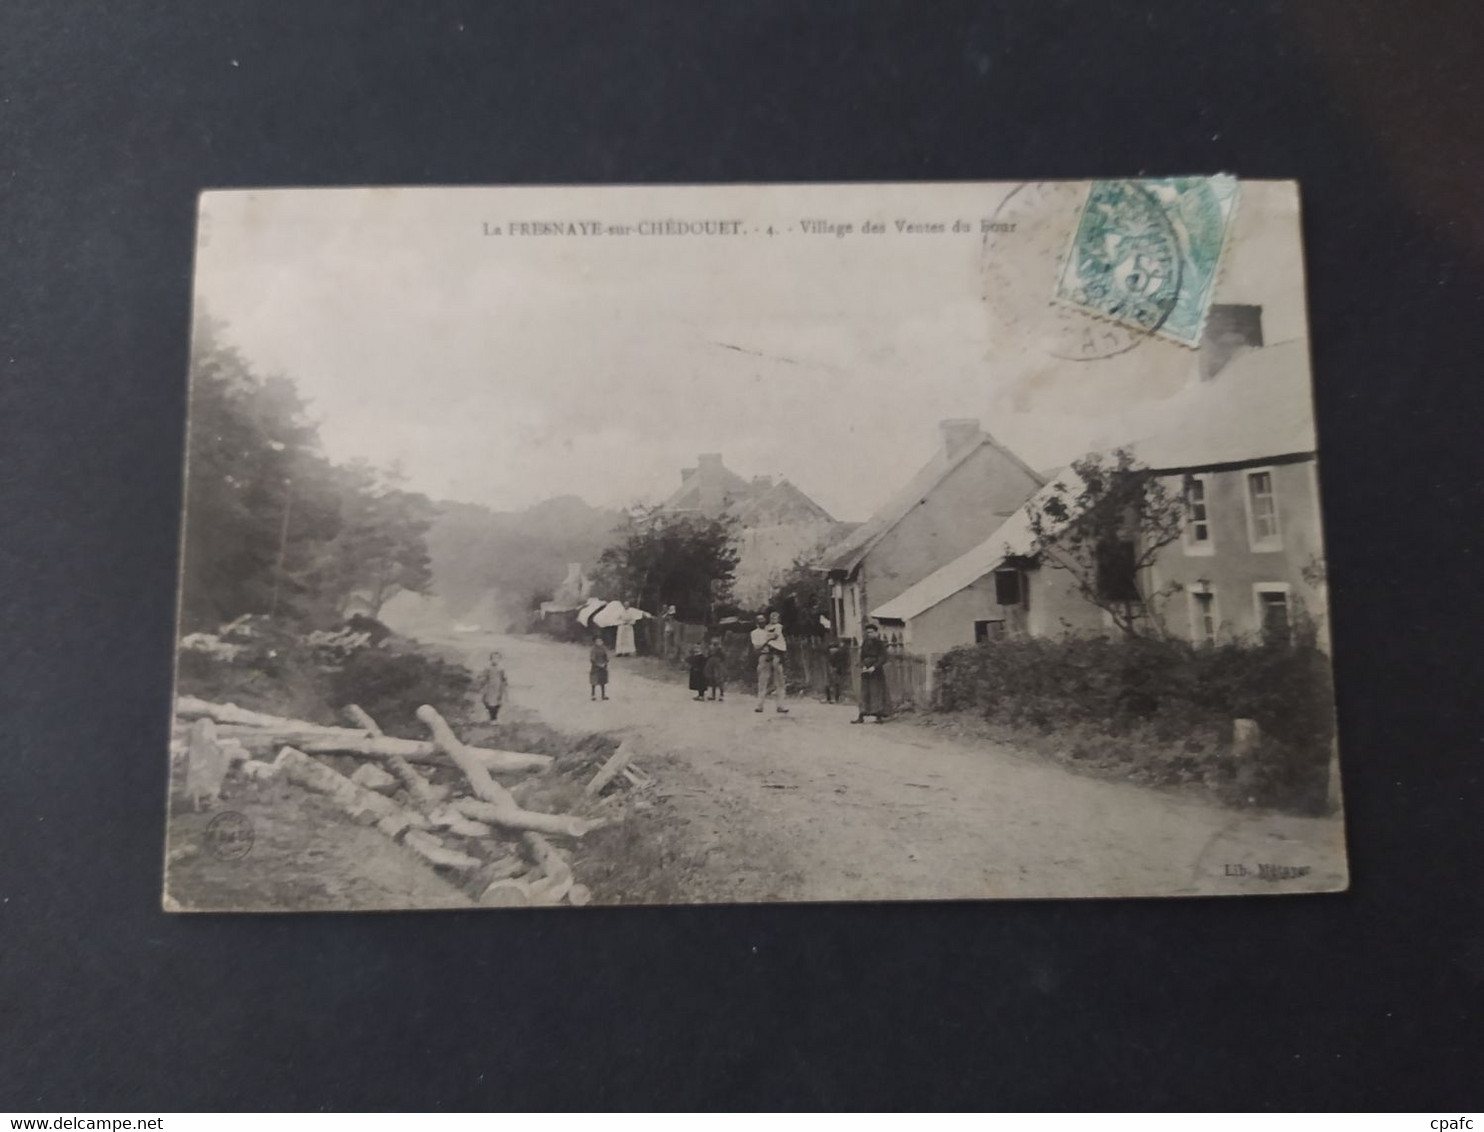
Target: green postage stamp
1145,253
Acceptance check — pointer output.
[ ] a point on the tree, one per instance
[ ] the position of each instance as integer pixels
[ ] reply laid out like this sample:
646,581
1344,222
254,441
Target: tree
1105,524
271,525
662,558
381,548
802,597
259,498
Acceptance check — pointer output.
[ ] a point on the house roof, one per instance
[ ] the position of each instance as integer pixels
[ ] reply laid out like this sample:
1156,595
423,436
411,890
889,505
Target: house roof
710,475
1258,407
783,503
847,554
1013,538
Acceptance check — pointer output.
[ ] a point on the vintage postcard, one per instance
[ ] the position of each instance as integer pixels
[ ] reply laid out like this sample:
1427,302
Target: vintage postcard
613,545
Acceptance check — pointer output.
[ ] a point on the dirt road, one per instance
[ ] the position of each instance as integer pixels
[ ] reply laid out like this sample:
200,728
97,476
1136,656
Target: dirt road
805,806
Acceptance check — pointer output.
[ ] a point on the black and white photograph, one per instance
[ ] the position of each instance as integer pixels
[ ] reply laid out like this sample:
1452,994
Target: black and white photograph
751,543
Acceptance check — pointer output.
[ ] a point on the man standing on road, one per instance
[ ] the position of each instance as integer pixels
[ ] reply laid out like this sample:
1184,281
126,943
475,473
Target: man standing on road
767,640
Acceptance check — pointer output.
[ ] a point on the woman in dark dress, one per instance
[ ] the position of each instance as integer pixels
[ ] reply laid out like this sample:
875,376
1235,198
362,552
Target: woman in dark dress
697,664
873,677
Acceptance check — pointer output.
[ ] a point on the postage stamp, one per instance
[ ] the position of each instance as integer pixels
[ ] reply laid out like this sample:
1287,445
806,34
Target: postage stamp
1146,253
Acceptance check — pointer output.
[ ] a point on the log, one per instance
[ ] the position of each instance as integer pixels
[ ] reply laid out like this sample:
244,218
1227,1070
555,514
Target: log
372,777
611,769
555,881
430,849
190,707
206,766
506,894
446,817
316,740
362,719
424,795
500,806
356,800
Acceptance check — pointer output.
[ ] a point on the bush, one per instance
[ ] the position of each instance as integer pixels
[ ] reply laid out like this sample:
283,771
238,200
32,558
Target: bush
1162,711
391,686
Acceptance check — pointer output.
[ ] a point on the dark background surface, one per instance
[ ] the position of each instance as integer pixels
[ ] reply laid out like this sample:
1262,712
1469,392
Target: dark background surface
112,117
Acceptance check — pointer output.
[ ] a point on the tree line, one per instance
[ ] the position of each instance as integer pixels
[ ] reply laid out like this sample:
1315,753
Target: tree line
272,525
660,559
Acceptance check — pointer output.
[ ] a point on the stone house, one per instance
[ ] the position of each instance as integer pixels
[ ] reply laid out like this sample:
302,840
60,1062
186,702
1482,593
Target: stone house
967,490
777,523
1238,445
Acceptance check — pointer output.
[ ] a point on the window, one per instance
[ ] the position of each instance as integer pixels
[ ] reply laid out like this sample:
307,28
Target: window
1009,587
1197,516
1273,615
987,631
1262,511
1203,620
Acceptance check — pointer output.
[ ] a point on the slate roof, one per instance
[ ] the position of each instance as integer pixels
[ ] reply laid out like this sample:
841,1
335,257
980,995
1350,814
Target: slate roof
1258,407
1012,539
847,554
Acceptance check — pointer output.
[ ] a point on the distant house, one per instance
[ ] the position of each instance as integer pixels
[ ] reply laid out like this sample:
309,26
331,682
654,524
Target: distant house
777,523
1238,444
575,589
967,490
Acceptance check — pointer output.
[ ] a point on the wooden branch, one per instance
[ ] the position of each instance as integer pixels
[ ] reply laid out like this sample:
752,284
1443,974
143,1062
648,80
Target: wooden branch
362,719
423,794
430,849
611,769
500,806
360,803
189,707
556,875
257,729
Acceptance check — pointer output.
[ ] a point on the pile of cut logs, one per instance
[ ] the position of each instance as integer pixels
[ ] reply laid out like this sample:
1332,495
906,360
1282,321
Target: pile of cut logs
465,830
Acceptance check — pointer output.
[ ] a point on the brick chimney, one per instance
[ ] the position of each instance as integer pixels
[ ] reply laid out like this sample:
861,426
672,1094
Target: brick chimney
762,482
686,473
1229,327
959,434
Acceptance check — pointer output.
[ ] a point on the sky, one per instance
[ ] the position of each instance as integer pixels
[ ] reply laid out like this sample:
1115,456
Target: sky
504,369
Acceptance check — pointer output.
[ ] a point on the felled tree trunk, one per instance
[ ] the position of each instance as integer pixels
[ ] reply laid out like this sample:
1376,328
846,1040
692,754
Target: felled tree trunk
423,794
256,729
615,766
500,807
360,803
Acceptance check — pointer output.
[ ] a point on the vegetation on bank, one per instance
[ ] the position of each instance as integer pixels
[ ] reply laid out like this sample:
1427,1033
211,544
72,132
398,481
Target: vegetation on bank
1161,711
267,666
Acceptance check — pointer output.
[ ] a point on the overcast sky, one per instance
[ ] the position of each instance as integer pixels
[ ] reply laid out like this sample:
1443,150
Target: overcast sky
508,369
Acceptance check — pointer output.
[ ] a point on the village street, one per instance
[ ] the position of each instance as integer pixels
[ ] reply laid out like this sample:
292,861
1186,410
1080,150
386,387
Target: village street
804,806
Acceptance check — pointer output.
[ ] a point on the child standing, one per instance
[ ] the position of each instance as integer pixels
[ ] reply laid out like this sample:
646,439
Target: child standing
697,665
716,670
597,670
836,664
493,692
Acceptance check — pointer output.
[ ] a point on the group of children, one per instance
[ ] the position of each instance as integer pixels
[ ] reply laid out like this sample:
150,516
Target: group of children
708,670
